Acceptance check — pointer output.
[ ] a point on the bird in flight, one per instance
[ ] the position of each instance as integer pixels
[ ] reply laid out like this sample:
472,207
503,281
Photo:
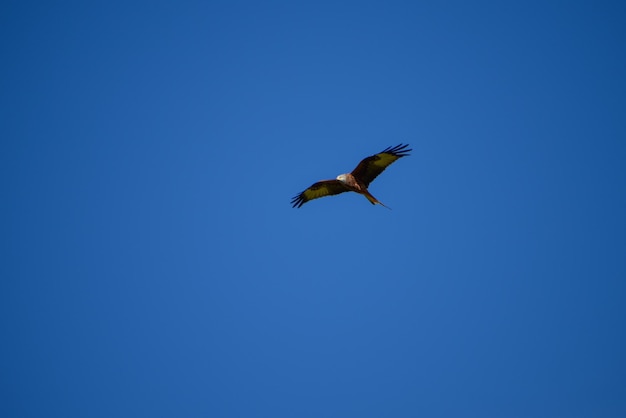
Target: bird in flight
358,181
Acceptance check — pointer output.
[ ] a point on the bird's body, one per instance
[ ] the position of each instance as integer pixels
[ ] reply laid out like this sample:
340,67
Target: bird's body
357,181
353,185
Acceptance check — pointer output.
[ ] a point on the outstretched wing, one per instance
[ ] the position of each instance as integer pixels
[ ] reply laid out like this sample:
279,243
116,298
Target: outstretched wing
319,189
369,168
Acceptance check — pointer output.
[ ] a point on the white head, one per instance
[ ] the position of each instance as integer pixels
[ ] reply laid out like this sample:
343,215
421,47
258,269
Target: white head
341,177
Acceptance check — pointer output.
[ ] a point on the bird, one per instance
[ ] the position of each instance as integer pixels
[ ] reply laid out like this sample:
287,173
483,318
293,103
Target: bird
358,180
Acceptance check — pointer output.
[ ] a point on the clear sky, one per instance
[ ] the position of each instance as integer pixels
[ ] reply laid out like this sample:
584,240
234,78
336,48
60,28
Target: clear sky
152,265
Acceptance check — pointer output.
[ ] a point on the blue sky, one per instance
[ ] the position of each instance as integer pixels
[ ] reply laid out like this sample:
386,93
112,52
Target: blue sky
153,266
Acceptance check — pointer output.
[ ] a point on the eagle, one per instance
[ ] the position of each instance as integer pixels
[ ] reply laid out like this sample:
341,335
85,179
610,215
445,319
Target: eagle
358,180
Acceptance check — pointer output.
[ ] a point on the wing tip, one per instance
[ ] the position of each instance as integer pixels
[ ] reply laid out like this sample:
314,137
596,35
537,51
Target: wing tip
399,150
297,201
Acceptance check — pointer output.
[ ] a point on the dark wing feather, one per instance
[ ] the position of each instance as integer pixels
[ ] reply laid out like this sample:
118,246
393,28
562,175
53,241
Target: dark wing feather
319,189
369,168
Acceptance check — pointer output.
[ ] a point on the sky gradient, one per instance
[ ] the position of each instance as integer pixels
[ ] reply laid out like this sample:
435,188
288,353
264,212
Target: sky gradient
152,264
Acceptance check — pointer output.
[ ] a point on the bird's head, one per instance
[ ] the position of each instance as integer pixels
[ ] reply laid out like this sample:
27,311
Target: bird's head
341,178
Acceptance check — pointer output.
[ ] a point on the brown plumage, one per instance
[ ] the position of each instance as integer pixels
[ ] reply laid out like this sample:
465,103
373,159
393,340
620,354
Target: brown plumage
357,181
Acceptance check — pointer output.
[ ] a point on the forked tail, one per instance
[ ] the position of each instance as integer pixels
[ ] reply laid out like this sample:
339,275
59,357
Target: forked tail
373,200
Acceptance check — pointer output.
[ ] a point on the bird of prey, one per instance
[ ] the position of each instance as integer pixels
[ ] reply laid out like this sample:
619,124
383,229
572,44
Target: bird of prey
358,181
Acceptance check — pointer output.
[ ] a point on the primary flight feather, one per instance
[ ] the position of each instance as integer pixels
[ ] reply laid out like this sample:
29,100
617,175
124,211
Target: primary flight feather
358,180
